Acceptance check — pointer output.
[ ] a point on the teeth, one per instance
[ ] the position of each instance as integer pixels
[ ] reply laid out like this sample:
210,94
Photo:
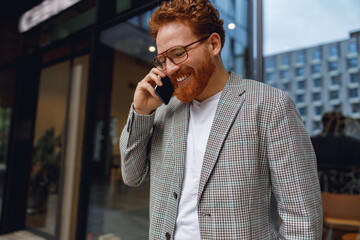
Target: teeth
182,78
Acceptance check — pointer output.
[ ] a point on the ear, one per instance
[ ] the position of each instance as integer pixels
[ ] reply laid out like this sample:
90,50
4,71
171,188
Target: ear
215,44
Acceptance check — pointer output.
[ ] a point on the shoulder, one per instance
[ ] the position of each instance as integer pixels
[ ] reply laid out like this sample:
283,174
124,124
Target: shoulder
255,91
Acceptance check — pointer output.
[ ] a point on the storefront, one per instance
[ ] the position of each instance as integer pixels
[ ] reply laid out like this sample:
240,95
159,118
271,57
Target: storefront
68,72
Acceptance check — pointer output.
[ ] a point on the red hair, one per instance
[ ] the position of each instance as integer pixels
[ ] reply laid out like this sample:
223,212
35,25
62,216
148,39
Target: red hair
200,15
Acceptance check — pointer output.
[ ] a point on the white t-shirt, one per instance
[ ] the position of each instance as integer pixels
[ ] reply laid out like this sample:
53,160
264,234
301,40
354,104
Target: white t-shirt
201,118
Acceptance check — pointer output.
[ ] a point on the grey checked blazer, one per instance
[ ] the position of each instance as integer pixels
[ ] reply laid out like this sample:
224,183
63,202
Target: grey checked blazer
257,145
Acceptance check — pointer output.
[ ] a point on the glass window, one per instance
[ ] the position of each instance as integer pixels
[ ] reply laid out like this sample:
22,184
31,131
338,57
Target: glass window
337,107
334,51
270,63
315,68
352,47
300,57
316,55
316,125
300,98
270,77
352,63
317,82
284,73
318,110
355,108
122,5
334,95
285,61
354,77
301,85
335,80
287,86
316,96
302,111
299,71
353,93
333,66
48,136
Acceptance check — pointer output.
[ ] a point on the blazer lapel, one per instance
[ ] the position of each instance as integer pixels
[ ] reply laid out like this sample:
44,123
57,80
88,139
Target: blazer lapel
180,127
229,105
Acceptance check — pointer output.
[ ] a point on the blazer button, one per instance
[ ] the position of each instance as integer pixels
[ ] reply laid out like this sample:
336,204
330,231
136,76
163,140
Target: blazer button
168,236
175,195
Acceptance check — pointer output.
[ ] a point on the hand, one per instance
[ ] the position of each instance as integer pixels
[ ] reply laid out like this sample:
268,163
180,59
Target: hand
145,98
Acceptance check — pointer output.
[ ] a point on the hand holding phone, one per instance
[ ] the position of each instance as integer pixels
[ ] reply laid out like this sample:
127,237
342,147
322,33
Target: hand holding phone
165,91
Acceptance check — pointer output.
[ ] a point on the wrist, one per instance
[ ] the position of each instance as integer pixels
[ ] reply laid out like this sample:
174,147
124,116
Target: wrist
143,111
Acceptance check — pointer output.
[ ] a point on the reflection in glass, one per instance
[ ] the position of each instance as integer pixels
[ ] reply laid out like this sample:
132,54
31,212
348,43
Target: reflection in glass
43,195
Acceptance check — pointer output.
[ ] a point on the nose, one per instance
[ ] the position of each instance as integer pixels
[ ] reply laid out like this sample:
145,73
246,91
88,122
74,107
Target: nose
171,67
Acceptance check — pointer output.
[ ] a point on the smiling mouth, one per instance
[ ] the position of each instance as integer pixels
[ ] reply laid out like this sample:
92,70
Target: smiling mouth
181,79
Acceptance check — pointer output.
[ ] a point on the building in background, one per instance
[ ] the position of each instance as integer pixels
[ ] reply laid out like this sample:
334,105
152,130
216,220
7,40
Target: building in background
319,79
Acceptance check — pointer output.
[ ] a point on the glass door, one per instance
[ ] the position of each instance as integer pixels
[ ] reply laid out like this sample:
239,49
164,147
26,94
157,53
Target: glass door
57,147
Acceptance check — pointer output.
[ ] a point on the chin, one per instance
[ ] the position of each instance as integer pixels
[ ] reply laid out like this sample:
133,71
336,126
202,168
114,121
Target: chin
199,81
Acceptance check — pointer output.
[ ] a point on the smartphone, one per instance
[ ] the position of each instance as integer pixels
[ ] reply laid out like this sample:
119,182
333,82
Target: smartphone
166,91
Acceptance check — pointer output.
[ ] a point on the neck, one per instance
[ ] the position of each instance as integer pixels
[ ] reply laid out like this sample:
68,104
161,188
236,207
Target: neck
216,83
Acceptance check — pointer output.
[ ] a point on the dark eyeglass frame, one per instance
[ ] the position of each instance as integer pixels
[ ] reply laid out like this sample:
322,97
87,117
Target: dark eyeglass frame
162,67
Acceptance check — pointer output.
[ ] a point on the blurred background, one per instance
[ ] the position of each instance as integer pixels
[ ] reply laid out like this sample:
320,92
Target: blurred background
68,71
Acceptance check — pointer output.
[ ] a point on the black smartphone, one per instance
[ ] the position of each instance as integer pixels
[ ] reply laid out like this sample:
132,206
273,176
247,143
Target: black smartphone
166,91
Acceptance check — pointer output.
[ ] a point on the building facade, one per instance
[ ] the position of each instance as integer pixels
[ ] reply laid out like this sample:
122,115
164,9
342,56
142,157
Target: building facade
319,79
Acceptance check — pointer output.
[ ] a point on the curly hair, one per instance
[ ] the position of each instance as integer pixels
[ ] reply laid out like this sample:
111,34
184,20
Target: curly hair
201,15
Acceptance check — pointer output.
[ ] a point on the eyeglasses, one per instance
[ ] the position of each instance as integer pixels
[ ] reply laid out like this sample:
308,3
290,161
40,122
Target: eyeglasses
177,55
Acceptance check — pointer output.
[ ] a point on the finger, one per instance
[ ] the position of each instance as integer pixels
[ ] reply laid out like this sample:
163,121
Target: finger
150,89
153,77
158,72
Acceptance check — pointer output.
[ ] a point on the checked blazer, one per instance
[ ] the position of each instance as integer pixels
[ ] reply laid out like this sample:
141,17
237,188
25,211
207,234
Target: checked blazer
257,147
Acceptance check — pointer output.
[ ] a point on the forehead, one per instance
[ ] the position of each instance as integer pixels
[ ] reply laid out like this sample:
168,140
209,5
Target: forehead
172,34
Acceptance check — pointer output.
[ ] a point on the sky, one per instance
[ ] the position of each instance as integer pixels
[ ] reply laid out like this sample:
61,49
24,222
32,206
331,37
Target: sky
295,24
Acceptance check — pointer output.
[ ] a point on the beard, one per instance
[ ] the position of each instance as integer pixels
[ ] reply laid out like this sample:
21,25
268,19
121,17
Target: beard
201,76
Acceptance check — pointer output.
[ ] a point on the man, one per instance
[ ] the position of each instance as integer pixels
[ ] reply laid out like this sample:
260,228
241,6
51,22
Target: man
219,150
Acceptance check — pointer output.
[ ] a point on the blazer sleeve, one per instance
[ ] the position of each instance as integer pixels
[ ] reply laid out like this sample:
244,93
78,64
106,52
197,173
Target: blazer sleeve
134,145
293,171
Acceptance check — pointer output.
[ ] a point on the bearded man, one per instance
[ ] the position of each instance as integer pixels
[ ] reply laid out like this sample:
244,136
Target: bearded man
222,147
